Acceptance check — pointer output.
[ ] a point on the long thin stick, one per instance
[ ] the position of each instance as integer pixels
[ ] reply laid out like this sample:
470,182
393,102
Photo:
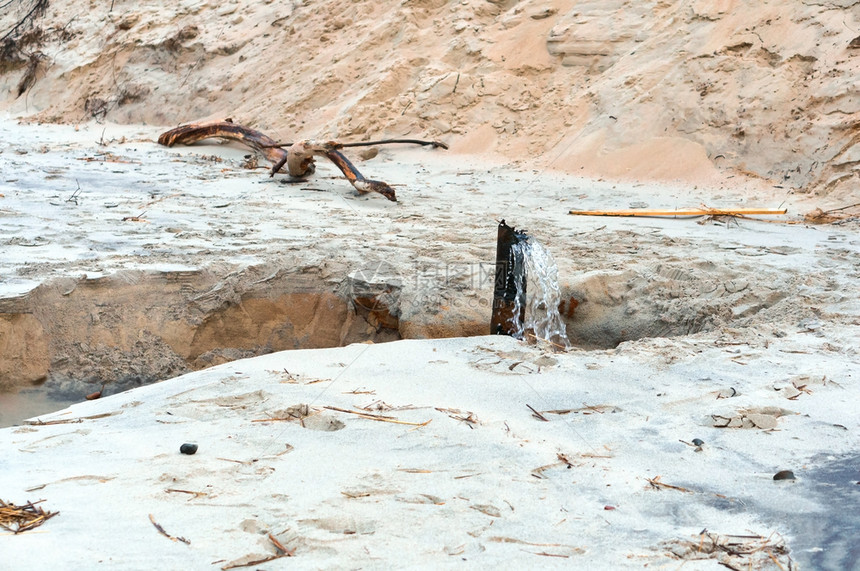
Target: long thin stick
255,562
379,418
842,208
656,483
688,212
167,535
537,415
439,144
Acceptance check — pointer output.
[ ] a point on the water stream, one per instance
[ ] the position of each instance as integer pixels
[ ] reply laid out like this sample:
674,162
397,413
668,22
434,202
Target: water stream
541,292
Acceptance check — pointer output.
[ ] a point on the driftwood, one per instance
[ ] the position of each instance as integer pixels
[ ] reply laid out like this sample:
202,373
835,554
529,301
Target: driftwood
434,144
818,216
299,157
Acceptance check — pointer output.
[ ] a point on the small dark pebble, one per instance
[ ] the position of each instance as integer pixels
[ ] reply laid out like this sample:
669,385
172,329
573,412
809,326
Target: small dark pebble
698,441
784,475
188,448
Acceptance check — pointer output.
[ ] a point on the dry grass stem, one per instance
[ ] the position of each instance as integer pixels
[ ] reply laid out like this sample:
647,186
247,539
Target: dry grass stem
165,534
378,417
18,519
657,484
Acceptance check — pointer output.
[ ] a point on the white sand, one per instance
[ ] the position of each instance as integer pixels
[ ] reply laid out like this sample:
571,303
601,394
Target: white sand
379,494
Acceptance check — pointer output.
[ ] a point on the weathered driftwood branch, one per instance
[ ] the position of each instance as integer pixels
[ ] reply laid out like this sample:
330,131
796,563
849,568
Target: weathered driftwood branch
299,158
190,134
434,144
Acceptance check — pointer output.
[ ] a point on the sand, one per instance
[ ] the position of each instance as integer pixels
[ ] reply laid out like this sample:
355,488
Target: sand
257,317
475,477
127,262
741,333
646,91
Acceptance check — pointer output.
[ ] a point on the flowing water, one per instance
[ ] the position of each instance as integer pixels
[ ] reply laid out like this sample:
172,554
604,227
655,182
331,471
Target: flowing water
541,292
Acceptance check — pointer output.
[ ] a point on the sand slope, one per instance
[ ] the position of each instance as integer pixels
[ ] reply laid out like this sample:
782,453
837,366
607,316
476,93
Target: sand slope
642,90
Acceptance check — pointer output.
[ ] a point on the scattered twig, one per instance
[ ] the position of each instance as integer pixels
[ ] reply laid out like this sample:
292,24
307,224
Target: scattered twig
736,552
463,416
38,422
255,562
842,208
283,551
353,495
243,462
358,391
76,194
379,417
108,157
195,494
538,472
18,519
138,218
585,409
536,414
657,484
165,534
366,414
293,413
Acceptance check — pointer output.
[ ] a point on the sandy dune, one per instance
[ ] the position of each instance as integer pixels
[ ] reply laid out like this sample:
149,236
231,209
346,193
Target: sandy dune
682,91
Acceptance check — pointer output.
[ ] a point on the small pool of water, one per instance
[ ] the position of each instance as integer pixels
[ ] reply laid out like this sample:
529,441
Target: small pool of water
18,406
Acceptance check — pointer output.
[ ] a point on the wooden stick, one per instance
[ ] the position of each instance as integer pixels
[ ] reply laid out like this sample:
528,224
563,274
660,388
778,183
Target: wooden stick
842,208
656,483
281,549
685,212
380,418
439,144
195,494
38,422
537,415
255,562
167,535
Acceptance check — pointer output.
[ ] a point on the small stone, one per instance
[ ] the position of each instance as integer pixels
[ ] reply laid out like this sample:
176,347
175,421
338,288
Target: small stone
698,441
188,448
784,475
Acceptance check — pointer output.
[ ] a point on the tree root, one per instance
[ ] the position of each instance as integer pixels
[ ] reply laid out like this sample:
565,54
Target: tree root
299,158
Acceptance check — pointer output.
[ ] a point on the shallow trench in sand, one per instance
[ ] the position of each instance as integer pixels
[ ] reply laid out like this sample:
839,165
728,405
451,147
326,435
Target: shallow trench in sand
71,337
